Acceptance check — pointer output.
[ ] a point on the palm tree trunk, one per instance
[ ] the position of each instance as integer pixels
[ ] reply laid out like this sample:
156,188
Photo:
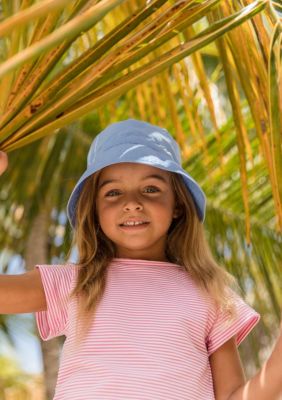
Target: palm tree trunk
36,253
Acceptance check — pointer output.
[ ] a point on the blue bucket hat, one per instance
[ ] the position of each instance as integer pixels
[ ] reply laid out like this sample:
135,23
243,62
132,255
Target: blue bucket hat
138,142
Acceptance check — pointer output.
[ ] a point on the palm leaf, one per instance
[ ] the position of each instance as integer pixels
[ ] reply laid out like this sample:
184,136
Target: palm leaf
10,134
275,76
68,31
60,118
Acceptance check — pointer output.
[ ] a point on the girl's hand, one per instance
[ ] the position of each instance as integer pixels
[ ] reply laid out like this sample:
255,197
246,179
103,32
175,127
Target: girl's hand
3,162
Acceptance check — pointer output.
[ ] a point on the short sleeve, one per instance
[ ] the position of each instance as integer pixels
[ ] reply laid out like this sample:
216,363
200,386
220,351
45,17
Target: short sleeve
224,328
57,283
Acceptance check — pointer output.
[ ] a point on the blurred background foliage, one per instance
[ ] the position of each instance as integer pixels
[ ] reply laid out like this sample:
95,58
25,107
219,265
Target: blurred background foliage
208,71
15,384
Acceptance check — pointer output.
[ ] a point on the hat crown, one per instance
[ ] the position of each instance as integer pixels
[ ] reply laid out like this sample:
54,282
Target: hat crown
130,134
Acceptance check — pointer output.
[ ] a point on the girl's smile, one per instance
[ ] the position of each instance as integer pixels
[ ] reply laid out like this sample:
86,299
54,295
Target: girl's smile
133,228
136,192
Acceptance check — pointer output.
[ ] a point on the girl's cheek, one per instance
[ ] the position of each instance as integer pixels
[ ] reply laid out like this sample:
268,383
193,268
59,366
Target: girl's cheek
108,207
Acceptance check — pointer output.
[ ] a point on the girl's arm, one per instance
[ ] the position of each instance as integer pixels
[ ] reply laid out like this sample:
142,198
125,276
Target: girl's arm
22,293
228,376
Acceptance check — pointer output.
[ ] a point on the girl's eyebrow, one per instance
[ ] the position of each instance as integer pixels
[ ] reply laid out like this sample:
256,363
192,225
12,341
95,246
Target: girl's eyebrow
156,176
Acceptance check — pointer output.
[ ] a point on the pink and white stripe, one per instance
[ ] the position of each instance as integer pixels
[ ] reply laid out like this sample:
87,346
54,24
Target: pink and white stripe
151,339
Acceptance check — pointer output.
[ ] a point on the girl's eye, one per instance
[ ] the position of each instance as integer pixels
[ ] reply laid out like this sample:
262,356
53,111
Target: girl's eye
112,191
148,188
152,187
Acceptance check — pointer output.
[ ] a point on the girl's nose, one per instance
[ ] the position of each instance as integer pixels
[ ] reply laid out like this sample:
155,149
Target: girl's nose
132,204
136,207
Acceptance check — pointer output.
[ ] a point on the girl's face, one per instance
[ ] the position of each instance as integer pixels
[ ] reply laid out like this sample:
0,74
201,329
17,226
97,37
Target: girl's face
128,191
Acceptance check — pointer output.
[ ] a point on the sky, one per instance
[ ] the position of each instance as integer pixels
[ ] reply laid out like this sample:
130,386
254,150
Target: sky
27,351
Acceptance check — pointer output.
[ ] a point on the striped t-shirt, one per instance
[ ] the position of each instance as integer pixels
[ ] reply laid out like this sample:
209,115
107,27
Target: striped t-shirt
151,339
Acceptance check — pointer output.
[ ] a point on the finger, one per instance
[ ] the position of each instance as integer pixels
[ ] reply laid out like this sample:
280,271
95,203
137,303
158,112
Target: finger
3,162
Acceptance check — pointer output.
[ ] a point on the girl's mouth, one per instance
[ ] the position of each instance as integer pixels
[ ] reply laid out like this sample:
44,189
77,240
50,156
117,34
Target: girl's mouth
134,227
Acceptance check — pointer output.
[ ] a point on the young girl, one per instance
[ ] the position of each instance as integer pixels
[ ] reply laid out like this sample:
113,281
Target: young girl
147,312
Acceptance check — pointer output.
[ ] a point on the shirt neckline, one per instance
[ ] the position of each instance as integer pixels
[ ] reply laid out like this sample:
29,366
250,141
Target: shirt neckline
122,260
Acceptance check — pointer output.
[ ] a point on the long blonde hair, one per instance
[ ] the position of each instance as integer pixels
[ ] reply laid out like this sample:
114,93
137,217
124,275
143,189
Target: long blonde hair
186,245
